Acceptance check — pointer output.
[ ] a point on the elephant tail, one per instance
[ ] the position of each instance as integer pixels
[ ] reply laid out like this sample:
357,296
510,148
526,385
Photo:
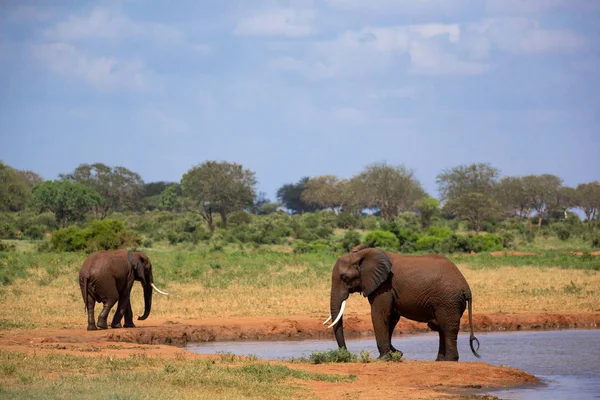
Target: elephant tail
472,338
84,292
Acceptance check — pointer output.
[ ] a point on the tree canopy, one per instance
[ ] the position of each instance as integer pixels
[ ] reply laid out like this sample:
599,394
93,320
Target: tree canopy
70,202
218,187
120,188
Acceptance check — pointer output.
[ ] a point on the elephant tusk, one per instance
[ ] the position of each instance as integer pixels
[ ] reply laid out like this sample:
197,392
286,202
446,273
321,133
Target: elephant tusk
327,320
339,315
158,290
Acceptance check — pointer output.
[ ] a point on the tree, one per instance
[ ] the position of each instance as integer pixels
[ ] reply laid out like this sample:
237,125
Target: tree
70,202
474,178
290,195
120,188
14,189
587,199
473,207
169,198
218,187
542,193
325,191
428,207
263,206
391,189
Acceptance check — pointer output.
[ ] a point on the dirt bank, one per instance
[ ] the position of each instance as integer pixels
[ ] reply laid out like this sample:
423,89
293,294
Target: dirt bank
180,332
409,379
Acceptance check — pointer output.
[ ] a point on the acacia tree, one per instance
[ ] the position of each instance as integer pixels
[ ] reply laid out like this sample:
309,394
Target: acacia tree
120,188
473,207
587,199
473,178
428,207
14,190
70,202
325,191
391,189
290,195
468,190
169,198
512,196
218,187
542,193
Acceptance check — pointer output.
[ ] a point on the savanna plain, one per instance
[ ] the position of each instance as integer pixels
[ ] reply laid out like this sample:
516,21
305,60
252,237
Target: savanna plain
267,293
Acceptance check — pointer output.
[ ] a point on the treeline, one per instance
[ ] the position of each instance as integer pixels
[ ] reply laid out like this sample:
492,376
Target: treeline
214,191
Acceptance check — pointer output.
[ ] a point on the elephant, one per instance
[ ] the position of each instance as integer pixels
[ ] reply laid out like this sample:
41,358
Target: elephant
424,288
107,277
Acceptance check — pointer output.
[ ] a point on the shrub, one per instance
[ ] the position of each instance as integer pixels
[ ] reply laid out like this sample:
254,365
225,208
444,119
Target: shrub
429,244
563,231
348,220
369,222
456,244
488,242
317,246
332,356
35,232
440,232
6,247
350,240
408,240
108,234
596,241
382,239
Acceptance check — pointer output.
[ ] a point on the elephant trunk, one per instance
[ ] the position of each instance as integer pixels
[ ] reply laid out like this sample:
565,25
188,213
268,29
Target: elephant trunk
339,294
147,301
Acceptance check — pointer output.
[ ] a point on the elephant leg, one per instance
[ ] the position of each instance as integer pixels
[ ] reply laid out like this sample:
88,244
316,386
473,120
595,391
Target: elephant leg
90,304
129,316
433,325
109,301
394,318
122,306
449,328
381,314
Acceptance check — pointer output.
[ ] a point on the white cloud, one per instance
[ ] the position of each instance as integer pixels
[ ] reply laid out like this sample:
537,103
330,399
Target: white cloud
284,22
521,35
110,24
530,7
372,50
427,59
102,73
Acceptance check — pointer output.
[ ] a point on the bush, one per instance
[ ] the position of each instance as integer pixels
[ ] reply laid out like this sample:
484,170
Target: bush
108,234
382,239
318,246
430,244
488,242
348,220
596,241
6,247
369,223
456,244
35,232
350,240
563,231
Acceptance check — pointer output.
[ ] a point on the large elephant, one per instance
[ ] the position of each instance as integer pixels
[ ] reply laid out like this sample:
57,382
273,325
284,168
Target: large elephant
107,277
424,288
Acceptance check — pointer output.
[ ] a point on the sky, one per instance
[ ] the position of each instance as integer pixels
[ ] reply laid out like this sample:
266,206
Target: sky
301,88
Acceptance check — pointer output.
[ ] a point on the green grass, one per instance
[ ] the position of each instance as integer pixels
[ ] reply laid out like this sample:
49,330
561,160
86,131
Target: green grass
255,268
549,258
53,376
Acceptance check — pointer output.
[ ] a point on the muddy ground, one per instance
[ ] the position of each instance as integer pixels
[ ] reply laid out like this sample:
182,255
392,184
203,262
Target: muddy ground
411,379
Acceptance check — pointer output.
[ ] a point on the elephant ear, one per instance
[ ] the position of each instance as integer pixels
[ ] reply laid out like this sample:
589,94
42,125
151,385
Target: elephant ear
359,248
138,263
375,267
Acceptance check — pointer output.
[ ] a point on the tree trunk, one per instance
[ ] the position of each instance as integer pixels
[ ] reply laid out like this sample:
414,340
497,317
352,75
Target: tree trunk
224,220
539,221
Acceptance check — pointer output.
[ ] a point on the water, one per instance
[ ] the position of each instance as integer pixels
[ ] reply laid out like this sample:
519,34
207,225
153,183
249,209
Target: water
567,361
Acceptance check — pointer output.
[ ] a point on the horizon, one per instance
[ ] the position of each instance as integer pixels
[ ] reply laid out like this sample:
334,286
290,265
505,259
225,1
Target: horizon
293,89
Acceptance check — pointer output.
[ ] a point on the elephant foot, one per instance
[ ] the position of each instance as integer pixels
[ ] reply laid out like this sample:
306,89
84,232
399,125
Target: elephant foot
392,355
116,326
443,358
131,325
102,325
92,327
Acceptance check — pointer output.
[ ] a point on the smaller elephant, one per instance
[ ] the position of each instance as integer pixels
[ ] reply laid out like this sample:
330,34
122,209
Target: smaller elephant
107,277
424,288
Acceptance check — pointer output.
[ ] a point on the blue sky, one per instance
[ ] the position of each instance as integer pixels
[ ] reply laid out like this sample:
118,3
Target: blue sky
301,88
